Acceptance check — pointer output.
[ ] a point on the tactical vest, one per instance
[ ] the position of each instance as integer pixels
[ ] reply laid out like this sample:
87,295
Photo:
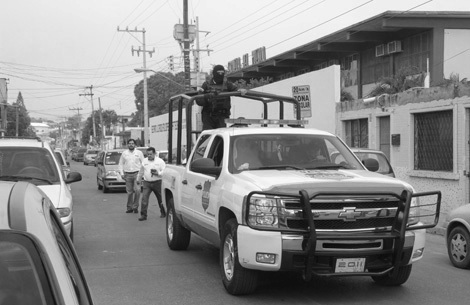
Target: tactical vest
220,105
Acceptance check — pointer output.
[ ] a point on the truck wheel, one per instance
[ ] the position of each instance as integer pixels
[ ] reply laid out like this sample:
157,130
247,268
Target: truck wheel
236,279
458,244
389,280
177,236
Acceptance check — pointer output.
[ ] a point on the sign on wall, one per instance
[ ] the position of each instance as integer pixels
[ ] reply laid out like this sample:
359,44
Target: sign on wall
302,95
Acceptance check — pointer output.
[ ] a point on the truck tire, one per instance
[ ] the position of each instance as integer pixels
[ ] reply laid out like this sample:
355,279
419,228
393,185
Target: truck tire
236,279
389,280
458,247
177,236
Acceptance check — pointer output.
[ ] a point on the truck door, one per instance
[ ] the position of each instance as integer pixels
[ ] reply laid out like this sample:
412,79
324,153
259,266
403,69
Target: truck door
192,187
206,201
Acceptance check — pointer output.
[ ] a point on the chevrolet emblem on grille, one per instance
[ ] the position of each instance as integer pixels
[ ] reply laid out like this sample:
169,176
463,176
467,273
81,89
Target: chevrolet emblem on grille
349,214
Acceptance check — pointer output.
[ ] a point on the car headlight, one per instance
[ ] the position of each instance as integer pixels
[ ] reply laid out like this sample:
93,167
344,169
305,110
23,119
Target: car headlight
414,215
265,212
64,212
111,174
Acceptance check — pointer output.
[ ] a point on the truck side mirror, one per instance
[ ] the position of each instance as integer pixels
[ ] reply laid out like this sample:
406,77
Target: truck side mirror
371,164
205,166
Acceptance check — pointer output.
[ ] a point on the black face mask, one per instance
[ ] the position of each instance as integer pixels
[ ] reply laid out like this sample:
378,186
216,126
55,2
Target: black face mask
217,74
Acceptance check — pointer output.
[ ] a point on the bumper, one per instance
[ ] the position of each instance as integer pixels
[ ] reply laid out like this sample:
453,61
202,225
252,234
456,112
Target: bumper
114,184
290,255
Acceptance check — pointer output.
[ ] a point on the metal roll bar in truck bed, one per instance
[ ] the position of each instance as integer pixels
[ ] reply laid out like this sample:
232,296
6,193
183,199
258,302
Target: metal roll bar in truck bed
185,101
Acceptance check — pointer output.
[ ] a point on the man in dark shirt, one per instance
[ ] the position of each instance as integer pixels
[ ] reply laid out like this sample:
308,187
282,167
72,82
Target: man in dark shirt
216,109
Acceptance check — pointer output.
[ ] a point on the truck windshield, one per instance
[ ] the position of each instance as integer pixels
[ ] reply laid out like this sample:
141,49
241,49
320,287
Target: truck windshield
287,151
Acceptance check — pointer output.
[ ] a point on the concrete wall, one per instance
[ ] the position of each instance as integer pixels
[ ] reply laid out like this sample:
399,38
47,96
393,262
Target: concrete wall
456,52
325,93
454,185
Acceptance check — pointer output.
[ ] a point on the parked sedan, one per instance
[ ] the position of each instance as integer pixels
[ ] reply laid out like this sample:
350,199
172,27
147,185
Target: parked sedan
62,161
107,176
89,156
38,262
458,237
80,153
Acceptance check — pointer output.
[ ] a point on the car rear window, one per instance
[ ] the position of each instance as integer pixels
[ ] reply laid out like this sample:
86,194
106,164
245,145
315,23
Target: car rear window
92,152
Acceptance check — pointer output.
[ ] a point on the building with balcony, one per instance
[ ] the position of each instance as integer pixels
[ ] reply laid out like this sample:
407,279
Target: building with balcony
405,75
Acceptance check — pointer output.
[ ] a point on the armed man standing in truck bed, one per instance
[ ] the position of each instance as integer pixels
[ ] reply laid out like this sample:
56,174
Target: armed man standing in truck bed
216,109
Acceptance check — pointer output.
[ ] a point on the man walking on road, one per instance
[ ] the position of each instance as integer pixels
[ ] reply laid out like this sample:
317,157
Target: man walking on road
151,171
129,166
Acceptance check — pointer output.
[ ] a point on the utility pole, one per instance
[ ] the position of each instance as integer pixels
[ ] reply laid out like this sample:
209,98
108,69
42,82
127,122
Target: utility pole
102,125
198,49
79,117
3,106
17,125
144,53
92,110
187,67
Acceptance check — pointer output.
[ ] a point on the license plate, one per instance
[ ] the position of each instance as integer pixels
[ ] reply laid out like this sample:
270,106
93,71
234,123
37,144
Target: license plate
350,265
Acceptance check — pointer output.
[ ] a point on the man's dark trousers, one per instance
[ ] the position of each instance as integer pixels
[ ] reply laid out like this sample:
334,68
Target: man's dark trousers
148,188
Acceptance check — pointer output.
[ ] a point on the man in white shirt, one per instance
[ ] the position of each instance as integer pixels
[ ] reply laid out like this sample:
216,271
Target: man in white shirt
151,171
129,166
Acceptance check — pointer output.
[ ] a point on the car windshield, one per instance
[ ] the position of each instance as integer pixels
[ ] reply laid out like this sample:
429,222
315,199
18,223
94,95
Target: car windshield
112,157
288,151
163,155
34,164
92,152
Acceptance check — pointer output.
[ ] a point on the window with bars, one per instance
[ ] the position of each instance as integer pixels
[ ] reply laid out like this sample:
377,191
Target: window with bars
357,133
433,147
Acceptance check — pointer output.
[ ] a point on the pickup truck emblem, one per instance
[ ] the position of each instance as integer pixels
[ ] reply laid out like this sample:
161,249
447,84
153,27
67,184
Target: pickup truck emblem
349,214
206,195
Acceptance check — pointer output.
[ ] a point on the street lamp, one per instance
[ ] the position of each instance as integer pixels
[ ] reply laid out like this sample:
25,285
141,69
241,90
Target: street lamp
146,106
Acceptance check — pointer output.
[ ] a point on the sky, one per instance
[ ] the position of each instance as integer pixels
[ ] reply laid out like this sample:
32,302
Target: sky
52,51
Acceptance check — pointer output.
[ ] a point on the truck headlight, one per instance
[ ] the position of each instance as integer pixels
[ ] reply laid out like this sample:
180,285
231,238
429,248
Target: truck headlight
263,212
414,215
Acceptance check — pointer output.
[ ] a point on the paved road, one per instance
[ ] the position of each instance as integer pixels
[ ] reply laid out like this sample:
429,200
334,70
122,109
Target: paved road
128,262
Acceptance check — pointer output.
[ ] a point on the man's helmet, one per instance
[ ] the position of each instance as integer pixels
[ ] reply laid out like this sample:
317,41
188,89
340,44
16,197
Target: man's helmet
218,74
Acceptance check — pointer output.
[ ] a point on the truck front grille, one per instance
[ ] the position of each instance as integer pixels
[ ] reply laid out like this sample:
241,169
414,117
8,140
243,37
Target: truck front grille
339,213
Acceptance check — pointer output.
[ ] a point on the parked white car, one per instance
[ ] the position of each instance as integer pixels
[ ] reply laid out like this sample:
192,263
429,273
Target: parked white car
32,160
458,237
62,161
38,263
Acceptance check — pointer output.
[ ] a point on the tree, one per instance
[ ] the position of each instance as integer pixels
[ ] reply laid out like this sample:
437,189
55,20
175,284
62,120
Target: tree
24,121
160,87
109,118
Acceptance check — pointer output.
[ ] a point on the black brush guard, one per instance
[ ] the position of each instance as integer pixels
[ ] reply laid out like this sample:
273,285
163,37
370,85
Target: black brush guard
396,234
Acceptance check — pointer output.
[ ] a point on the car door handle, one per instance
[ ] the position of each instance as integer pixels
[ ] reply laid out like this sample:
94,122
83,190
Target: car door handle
199,187
184,182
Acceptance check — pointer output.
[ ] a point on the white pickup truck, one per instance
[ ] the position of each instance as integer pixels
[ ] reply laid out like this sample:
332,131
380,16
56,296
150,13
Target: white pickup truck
292,199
